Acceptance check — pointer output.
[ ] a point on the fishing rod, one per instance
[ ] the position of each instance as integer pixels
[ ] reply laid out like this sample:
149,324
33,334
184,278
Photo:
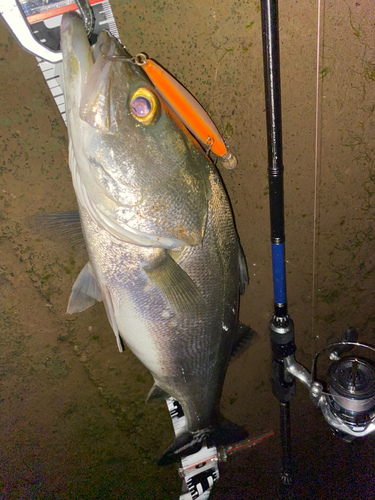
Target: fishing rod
281,325
347,399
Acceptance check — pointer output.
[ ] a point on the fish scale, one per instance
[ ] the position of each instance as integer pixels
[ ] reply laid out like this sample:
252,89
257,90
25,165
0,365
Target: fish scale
166,263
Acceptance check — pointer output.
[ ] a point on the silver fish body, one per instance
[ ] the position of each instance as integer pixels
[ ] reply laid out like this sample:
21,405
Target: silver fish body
163,250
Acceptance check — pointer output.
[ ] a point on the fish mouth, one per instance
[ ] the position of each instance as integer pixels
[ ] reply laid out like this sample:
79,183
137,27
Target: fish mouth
75,44
77,54
88,75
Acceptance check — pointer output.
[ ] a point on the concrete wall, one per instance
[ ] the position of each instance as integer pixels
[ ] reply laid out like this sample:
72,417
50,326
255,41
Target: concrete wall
72,415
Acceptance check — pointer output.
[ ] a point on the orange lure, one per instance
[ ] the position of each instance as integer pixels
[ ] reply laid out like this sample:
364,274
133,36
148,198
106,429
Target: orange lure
187,108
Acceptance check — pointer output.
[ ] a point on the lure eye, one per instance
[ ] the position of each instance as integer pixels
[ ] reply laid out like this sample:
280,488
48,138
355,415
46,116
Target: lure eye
145,106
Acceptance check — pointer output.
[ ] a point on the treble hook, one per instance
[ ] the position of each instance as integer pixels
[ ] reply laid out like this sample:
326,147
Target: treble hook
209,143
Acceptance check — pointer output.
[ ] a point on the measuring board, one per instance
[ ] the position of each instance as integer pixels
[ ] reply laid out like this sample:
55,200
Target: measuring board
36,25
47,31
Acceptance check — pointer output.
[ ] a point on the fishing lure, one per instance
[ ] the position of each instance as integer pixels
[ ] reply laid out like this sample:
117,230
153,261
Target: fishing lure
185,106
188,109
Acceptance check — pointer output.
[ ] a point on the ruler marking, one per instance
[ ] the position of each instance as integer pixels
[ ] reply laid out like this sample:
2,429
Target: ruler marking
59,100
56,91
52,84
49,73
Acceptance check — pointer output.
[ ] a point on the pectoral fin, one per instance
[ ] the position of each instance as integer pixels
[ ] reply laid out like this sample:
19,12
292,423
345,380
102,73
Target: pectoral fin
85,291
176,285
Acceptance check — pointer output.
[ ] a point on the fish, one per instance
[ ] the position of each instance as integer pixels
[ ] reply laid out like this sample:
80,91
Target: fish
164,254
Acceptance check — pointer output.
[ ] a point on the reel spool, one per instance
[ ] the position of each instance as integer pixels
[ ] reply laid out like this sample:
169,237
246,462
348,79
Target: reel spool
349,403
352,390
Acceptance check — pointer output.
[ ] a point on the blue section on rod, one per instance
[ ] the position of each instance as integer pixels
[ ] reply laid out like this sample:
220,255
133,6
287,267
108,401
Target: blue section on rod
278,266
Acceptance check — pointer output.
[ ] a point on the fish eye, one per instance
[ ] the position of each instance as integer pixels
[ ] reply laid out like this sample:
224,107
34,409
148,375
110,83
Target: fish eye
145,106
141,107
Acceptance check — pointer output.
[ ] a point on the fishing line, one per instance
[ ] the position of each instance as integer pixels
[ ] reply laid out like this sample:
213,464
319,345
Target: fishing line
316,153
115,57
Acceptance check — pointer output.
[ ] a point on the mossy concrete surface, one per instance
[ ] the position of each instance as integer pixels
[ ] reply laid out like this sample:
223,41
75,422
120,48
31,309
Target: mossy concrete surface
72,415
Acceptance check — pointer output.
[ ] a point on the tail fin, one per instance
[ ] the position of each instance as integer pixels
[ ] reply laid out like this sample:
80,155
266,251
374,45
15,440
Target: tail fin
185,444
228,433
189,443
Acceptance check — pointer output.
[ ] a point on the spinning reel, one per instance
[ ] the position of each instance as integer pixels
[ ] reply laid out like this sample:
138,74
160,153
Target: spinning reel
347,398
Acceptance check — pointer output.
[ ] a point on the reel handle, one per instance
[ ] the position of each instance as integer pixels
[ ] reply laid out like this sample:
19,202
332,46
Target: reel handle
351,335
